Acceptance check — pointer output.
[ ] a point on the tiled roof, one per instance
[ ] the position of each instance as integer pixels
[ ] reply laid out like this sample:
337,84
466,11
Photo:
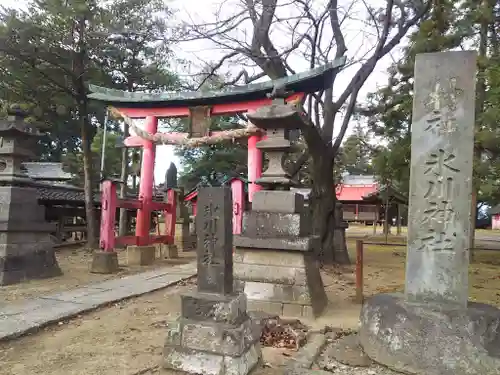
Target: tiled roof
62,192
47,171
344,192
359,189
354,192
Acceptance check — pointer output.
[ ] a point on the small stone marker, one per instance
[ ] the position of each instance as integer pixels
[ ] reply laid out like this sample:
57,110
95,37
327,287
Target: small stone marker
441,179
433,328
215,241
214,335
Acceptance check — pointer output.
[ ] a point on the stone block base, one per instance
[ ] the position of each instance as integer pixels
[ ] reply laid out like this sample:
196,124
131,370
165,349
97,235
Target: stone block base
170,251
198,362
39,264
104,262
213,336
227,309
433,340
141,255
184,240
280,282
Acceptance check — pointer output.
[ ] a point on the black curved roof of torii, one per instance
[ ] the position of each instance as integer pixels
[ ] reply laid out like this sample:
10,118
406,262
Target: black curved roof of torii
314,80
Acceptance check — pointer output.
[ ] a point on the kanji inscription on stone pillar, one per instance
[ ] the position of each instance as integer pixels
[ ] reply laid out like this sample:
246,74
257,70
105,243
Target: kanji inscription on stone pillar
441,177
215,240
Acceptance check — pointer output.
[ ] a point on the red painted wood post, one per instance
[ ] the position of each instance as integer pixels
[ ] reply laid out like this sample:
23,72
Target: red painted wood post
143,224
108,216
359,271
238,190
195,207
254,165
170,216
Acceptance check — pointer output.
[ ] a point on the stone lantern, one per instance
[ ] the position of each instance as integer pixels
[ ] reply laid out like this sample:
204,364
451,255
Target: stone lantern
274,262
26,248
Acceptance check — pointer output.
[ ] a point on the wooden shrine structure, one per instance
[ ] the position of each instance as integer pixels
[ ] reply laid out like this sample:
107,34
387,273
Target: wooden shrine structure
198,107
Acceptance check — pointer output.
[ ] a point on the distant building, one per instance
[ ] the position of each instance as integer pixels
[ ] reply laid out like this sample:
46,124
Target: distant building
495,217
363,198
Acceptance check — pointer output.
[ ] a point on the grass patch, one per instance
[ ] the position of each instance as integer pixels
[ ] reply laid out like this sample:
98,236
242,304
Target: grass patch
385,271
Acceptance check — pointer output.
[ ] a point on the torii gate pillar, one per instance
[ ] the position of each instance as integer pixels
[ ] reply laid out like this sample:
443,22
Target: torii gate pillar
254,165
143,222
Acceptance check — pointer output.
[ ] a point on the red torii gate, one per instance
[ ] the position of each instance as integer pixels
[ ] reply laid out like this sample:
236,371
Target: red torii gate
198,107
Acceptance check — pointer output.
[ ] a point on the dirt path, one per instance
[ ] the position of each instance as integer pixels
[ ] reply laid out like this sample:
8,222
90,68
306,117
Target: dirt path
127,338
75,266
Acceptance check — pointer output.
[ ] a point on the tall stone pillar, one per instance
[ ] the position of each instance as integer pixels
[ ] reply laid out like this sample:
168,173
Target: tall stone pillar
274,256
433,328
26,248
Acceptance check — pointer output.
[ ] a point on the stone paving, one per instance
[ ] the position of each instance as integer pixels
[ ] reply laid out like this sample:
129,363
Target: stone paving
19,319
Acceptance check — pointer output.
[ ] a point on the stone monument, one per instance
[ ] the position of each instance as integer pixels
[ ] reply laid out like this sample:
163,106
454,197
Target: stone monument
171,177
183,237
26,248
340,226
275,263
214,335
432,329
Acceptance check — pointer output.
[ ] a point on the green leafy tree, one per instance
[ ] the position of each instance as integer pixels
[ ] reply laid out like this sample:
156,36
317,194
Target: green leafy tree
136,57
356,152
213,164
73,162
54,44
389,110
49,53
246,37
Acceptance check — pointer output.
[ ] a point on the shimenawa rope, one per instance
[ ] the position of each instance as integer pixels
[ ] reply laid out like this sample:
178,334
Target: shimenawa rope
164,139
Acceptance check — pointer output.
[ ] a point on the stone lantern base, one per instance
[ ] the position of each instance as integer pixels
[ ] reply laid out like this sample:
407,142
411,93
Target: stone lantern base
418,338
26,248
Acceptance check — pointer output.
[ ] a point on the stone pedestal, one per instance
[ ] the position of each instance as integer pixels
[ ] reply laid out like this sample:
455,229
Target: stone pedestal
213,336
431,339
26,248
169,251
274,257
141,255
183,237
104,262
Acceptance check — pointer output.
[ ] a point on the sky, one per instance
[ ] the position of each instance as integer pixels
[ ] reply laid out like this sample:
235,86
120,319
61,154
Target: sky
357,37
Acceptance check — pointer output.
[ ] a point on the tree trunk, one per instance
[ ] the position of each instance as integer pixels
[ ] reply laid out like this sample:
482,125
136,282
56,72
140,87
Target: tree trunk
86,133
480,102
323,200
87,175
123,223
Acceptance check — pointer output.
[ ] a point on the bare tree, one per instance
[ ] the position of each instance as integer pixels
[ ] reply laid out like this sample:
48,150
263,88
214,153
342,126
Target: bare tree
268,37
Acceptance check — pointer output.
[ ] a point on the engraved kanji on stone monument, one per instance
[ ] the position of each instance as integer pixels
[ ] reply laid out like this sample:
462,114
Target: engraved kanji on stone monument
441,178
215,240
442,104
211,216
439,214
